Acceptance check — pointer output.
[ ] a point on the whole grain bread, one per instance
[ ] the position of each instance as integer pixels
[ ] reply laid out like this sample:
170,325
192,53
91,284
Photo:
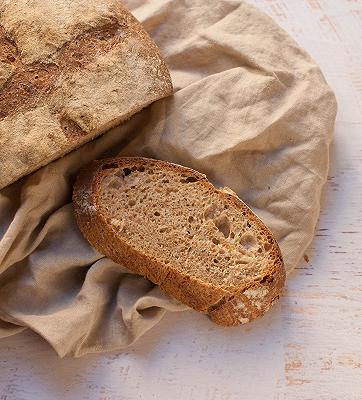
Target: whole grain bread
69,70
200,244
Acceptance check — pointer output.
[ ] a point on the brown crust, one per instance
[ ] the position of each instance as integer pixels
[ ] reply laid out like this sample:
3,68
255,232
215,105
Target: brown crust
224,306
30,86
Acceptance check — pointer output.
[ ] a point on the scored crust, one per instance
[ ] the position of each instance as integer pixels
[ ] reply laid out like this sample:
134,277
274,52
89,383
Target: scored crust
69,71
224,305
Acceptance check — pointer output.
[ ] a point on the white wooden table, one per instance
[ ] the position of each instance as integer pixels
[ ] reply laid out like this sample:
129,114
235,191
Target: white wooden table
310,345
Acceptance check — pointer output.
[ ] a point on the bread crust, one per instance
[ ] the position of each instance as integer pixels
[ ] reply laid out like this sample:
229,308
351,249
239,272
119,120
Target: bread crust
68,77
223,305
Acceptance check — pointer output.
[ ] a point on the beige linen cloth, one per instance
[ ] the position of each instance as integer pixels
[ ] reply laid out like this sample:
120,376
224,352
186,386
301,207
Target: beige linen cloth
251,110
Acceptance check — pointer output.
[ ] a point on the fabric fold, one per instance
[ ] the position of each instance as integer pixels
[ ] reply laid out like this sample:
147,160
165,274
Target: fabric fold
251,110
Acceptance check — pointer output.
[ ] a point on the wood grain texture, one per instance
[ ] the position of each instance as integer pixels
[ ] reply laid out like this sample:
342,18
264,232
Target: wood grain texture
307,347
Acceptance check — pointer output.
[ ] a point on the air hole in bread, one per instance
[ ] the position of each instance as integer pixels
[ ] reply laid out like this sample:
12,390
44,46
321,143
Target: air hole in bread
127,171
222,223
171,190
267,278
267,246
116,183
248,242
191,219
131,202
215,241
157,214
210,212
189,179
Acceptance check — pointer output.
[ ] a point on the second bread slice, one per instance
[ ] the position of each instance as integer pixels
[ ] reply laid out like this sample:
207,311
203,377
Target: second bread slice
202,245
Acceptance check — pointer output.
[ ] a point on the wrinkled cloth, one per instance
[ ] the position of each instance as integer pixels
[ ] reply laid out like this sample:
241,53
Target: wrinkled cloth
251,110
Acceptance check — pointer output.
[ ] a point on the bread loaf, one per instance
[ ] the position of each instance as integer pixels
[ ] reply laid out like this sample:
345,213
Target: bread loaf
69,70
202,245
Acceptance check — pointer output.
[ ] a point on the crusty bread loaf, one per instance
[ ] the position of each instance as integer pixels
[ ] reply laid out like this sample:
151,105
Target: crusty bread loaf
69,70
202,245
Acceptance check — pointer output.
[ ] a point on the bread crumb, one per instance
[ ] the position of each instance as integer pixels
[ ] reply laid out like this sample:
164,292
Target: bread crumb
243,320
256,296
117,223
256,292
83,203
239,305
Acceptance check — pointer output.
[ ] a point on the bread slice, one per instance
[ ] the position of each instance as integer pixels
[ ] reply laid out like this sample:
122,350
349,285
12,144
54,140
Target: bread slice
200,244
69,71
